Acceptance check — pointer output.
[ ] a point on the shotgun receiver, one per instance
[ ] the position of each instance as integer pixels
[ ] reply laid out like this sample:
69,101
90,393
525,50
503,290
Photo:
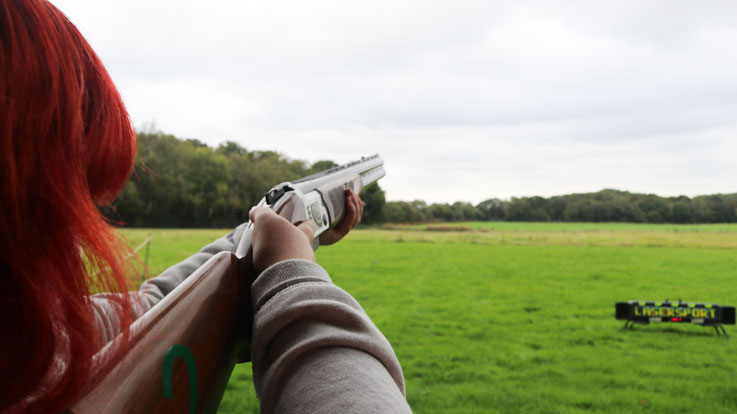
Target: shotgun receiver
319,198
182,351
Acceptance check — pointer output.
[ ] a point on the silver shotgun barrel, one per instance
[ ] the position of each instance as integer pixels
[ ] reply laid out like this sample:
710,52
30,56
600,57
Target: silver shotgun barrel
369,168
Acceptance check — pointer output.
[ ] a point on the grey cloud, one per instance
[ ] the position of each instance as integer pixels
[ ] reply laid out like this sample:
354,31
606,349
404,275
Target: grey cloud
526,97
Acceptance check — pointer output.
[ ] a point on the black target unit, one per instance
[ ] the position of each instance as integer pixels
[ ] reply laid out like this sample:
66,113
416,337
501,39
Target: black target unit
704,314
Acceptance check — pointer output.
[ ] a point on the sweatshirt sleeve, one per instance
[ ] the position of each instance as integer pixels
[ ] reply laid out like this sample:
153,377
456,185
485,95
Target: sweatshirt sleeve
106,305
315,350
153,290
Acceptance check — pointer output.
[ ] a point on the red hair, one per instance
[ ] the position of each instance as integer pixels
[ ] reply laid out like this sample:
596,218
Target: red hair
66,146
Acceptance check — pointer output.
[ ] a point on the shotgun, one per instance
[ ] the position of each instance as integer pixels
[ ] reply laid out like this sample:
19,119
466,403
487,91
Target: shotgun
182,352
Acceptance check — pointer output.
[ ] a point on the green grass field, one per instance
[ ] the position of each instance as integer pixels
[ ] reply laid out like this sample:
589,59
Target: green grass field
518,317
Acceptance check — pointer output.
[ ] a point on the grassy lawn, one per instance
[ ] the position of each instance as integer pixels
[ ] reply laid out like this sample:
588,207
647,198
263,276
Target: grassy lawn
582,227
518,317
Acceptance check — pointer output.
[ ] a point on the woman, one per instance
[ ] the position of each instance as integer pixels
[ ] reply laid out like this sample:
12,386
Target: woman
67,148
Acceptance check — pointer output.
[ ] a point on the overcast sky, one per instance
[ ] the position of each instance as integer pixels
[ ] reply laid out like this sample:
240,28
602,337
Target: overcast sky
465,100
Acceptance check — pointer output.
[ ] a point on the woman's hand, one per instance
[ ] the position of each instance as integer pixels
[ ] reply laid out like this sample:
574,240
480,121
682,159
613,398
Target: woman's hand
353,212
276,239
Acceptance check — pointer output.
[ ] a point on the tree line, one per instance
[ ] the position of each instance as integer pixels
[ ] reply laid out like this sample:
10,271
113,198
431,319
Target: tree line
602,206
186,183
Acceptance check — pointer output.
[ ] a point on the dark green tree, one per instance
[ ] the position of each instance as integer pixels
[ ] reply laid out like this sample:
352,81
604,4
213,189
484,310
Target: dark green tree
322,166
373,211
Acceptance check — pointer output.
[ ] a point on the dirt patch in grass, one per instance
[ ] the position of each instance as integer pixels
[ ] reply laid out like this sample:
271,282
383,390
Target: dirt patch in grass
448,228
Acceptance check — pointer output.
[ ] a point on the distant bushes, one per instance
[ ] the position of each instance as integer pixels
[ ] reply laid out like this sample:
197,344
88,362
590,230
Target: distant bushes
602,206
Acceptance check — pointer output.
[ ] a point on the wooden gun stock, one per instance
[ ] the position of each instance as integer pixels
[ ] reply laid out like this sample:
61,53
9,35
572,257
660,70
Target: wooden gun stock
186,346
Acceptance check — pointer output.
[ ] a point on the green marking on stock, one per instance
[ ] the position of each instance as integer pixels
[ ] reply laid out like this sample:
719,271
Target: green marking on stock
172,354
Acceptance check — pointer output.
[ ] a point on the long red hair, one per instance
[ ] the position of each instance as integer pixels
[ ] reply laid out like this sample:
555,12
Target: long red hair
66,146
